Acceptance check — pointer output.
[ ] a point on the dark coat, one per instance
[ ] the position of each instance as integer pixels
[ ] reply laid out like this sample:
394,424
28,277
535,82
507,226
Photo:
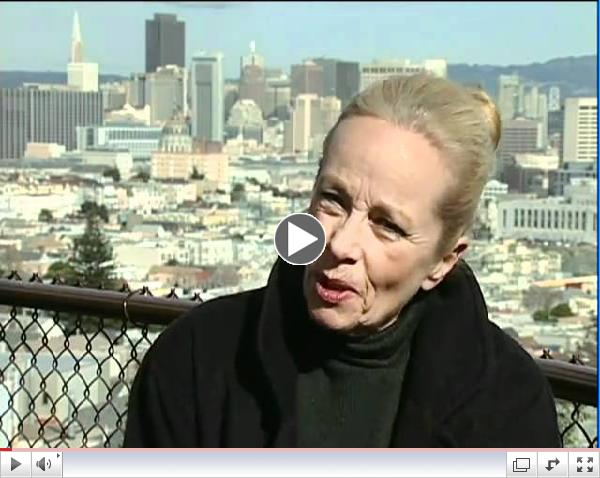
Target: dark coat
224,375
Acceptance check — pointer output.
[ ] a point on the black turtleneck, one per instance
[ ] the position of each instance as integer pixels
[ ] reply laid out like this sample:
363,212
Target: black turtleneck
349,387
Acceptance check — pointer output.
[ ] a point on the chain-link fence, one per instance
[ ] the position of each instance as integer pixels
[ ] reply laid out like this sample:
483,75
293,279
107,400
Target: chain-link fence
68,357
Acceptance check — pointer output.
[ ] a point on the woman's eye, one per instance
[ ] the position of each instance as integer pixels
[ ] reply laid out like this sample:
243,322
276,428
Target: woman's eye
389,227
331,197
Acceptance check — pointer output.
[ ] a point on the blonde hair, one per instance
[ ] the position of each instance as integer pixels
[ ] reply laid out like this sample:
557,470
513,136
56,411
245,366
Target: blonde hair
462,123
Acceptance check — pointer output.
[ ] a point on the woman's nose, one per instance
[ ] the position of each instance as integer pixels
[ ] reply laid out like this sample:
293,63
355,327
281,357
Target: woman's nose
344,242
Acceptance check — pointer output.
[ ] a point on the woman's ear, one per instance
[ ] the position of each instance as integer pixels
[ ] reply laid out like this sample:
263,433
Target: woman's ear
446,263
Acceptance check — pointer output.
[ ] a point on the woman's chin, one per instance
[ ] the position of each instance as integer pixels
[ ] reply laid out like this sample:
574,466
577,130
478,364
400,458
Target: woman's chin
334,319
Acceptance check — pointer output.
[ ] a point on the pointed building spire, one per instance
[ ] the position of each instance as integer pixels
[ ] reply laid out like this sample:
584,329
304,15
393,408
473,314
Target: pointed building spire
76,41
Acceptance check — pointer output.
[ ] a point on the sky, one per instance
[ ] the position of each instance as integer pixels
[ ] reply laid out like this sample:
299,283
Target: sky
36,35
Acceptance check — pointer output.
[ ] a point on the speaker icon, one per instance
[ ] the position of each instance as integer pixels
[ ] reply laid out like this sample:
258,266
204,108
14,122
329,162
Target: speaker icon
43,464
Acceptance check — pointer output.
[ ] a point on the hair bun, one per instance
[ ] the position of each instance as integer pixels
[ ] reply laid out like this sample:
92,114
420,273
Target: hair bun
491,113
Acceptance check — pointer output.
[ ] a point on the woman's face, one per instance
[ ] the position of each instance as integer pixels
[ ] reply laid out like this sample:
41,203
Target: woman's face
376,197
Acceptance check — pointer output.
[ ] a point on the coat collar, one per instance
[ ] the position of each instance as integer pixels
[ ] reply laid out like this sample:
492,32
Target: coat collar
447,364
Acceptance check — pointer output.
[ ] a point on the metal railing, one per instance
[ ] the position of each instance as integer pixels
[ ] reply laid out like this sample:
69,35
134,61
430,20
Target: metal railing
68,356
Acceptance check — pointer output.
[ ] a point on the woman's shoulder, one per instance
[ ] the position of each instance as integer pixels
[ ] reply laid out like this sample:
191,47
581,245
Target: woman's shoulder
213,328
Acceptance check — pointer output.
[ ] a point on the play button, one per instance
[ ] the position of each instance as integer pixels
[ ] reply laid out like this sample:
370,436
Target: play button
14,464
299,239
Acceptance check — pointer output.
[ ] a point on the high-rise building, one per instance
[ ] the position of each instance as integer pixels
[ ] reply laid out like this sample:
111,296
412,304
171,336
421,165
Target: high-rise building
15,122
45,115
580,134
252,78
508,96
382,69
518,136
307,79
329,66
278,98
207,97
165,42
554,98
165,93
81,75
311,119
136,90
347,81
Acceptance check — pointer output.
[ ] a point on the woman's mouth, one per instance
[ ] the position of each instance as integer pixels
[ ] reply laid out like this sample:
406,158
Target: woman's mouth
333,291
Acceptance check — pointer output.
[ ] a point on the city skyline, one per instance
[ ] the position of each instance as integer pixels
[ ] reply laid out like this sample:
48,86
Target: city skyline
209,27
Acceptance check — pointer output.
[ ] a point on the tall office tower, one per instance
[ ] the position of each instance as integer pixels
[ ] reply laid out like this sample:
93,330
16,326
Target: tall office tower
311,118
45,115
165,42
253,81
15,121
542,110
231,93
580,134
207,97
136,90
307,78
347,81
381,69
278,97
81,75
508,96
165,93
518,136
329,74
554,98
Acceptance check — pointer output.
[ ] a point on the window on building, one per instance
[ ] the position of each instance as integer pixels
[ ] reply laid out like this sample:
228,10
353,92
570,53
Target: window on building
528,217
562,219
583,220
504,218
535,218
569,220
555,219
522,217
543,218
516,217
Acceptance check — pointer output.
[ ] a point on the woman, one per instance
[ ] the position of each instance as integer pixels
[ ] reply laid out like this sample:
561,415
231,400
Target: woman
384,340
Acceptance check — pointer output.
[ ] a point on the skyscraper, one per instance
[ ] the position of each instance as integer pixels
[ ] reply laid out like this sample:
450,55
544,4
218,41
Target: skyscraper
381,69
81,75
508,96
253,82
207,97
580,130
554,98
165,92
306,79
347,81
45,115
165,42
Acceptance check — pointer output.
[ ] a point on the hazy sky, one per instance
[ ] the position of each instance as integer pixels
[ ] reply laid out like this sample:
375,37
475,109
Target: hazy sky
36,36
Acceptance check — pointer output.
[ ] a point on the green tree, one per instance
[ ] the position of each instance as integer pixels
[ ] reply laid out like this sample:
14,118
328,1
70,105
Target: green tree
561,310
196,174
142,176
91,208
45,216
92,257
112,173
63,270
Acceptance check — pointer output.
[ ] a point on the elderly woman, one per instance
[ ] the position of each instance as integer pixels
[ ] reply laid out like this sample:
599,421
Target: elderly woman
384,341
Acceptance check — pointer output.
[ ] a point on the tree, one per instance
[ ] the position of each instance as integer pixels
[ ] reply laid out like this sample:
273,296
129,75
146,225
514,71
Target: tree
112,173
540,298
45,216
172,262
142,176
196,174
91,208
561,310
63,270
92,258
